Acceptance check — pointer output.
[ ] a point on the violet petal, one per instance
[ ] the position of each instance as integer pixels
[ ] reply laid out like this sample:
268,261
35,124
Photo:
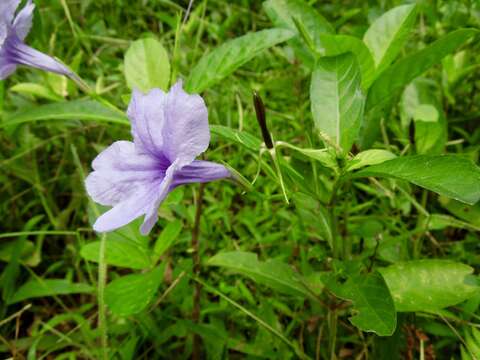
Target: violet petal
185,133
23,21
15,52
7,9
7,12
151,214
119,171
200,171
138,202
147,118
145,200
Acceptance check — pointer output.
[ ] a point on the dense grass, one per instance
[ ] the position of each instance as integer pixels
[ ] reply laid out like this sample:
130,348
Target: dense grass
46,215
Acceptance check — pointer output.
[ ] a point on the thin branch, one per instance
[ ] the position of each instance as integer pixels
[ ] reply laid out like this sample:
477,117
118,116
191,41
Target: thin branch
196,270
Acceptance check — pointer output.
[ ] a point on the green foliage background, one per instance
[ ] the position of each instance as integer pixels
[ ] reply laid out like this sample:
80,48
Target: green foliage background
389,273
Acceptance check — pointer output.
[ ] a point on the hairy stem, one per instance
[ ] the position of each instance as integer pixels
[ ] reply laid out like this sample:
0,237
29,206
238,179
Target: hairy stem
196,270
102,280
333,218
102,267
332,324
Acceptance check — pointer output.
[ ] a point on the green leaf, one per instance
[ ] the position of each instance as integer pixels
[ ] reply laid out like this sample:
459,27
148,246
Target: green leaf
84,110
374,310
438,173
58,83
125,247
369,157
48,287
147,65
9,276
224,60
167,237
338,44
272,273
441,221
243,138
463,211
388,33
420,102
337,100
405,70
282,13
472,341
88,110
118,253
431,136
131,294
323,156
37,90
457,66
426,113
429,285
29,255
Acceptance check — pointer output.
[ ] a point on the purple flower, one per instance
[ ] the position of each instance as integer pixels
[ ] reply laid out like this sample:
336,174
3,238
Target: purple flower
169,131
13,50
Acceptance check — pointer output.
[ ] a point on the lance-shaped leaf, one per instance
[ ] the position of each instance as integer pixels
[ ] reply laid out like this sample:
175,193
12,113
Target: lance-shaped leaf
283,12
224,60
392,81
85,110
449,175
421,103
48,287
429,285
405,70
369,157
465,212
242,138
273,273
387,35
338,44
337,100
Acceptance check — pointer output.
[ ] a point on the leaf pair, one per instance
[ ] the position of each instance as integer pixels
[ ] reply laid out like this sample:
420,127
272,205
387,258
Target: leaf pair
339,78
339,84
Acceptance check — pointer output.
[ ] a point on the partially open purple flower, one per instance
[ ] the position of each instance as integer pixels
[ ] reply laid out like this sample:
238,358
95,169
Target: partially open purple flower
13,50
169,131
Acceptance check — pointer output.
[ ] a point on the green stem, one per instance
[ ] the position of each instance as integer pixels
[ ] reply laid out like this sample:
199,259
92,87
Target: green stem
102,270
176,45
333,218
332,316
347,244
69,17
37,232
196,346
273,153
334,225
305,36
332,324
102,281
91,93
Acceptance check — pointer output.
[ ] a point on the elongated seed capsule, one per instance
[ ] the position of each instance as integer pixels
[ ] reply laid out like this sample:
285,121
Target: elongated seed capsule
261,118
